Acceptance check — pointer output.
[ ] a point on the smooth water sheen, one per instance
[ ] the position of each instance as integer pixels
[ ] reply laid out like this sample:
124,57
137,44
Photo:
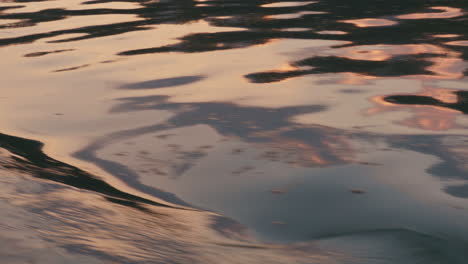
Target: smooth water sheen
234,131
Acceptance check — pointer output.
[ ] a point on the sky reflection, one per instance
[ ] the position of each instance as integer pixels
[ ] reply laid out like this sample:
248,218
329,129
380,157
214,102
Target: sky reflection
180,131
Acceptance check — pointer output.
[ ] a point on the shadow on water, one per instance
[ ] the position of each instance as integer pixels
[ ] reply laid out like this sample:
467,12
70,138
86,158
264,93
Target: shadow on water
150,233
255,125
460,105
163,83
313,145
396,66
53,212
251,124
259,22
27,156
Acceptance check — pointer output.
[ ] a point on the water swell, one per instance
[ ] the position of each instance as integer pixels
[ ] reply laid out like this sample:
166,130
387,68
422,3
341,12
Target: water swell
308,131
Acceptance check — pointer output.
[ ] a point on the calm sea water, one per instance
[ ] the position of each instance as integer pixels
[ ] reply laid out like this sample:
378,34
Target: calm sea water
234,131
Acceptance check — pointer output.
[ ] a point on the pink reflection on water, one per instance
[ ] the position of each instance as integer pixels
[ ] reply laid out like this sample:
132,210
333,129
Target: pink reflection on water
371,22
425,117
458,43
446,63
447,12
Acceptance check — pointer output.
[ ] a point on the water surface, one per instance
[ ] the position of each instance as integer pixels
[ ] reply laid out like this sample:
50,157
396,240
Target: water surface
233,131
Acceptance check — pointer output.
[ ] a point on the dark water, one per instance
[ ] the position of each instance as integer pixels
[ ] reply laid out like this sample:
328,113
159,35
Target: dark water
181,131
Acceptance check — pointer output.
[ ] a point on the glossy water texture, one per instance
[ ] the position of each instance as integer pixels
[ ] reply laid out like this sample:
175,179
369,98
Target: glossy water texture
234,131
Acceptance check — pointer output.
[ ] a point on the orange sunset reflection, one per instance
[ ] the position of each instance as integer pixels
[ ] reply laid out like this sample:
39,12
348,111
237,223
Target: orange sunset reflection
434,118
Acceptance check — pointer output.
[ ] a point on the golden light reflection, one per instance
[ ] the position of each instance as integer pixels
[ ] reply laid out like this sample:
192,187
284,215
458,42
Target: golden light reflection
287,67
385,52
71,5
296,29
431,119
444,95
426,117
445,35
447,12
74,22
450,67
446,63
288,4
309,155
351,78
458,43
331,150
332,32
293,15
371,22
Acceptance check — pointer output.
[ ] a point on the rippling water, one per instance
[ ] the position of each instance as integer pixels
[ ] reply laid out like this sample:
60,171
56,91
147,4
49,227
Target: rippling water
234,131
